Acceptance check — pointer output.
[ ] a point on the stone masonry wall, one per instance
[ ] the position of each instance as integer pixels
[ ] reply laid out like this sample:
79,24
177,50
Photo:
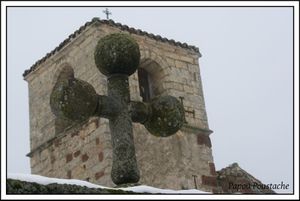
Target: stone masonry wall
84,151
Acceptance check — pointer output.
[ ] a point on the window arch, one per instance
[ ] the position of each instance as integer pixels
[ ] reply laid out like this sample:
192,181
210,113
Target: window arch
150,79
62,124
145,84
63,71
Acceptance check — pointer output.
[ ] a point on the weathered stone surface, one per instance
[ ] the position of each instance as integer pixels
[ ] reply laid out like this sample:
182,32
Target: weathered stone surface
117,53
77,153
166,118
73,98
139,111
234,180
212,169
84,157
23,187
209,180
203,139
124,167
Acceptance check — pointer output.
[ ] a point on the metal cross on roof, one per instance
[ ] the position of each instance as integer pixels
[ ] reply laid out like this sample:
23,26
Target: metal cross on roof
107,13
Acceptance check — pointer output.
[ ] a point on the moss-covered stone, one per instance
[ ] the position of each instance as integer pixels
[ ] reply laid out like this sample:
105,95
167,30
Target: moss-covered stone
22,187
73,99
117,54
124,167
139,111
167,116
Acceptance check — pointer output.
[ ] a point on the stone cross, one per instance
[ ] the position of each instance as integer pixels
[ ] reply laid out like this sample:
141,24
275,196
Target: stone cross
107,13
117,56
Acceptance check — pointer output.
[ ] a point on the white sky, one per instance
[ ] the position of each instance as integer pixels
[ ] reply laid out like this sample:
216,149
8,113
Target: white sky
246,69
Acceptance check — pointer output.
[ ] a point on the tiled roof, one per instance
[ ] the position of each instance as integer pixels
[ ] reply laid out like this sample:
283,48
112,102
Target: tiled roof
114,24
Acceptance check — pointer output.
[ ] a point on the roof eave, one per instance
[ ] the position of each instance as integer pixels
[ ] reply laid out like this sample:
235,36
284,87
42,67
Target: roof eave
111,23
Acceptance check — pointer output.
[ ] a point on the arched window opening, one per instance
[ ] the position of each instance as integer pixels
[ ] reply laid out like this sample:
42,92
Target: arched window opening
62,124
145,84
150,76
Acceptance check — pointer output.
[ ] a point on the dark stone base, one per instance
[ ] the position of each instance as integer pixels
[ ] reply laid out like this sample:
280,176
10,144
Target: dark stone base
22,187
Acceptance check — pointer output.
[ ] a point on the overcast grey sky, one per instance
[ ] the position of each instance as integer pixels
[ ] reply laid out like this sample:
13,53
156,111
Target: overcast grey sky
246,69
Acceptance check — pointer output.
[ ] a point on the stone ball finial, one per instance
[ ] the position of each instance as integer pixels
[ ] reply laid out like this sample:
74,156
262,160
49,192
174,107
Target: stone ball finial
73,99
167,116
117,54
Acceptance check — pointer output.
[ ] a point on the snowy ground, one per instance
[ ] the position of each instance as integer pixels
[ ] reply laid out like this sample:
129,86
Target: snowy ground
139,189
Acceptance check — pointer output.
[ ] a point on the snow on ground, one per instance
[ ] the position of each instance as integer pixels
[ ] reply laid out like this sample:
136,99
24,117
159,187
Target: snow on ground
139,189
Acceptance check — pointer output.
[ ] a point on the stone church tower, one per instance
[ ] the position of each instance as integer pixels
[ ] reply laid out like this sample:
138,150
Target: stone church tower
62,149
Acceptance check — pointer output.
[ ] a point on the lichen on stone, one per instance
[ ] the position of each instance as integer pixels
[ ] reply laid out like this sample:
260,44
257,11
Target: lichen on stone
117,54
22,187
73,99
167,116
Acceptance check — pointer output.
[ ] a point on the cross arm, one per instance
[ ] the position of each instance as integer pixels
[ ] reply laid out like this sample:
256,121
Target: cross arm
162,117
77,100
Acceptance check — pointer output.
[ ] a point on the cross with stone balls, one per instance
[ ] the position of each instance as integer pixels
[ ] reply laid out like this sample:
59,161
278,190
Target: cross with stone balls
117,56
107,13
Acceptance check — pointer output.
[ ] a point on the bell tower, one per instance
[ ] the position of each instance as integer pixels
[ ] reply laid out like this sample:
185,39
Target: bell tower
82,150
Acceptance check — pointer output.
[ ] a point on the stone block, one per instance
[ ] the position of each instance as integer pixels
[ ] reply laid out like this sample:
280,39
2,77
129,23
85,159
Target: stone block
69,157
100,156
186,59
84,157
203,139
212,169
209,180
77,153
99,174
69,174
180,64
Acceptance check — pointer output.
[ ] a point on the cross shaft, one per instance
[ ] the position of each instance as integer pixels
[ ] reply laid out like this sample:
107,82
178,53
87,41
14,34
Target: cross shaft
124,167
